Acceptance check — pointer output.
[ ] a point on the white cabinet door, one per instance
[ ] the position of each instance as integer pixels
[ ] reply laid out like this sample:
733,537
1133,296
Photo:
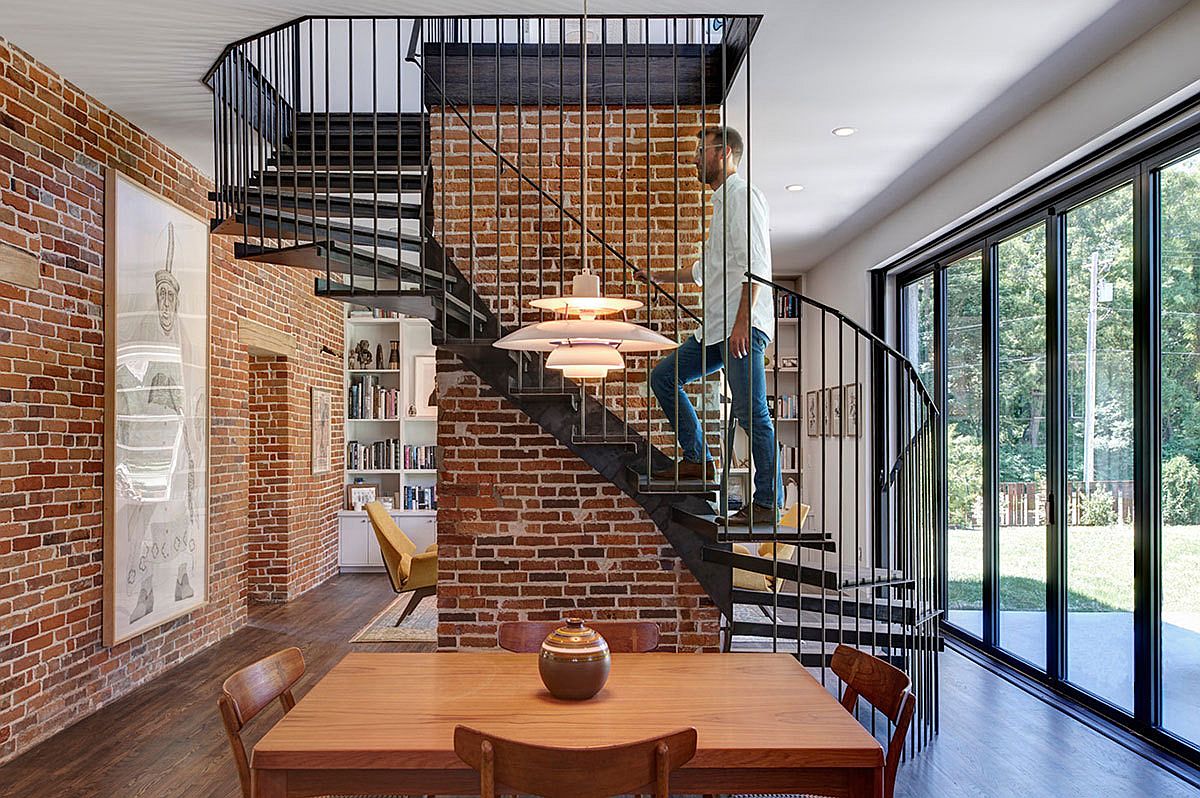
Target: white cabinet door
421,529
352,541
373,555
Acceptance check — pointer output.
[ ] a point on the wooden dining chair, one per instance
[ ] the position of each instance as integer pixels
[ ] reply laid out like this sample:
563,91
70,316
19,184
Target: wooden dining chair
884,687
552,772
623,637
248,692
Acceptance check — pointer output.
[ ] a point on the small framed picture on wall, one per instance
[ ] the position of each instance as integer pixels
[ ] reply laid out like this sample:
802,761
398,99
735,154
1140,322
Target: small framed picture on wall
851,410
812,409
833,412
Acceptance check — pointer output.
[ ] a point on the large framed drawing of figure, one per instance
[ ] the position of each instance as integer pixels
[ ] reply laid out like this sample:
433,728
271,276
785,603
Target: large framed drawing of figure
156,417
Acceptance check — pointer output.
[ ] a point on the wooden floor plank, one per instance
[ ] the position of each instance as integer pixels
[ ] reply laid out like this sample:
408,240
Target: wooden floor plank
164,740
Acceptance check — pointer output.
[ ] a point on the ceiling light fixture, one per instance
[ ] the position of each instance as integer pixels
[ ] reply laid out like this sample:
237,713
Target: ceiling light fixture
844,131
586,346
794,187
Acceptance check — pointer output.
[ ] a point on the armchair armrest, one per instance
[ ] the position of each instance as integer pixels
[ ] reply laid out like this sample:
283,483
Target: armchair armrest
423,572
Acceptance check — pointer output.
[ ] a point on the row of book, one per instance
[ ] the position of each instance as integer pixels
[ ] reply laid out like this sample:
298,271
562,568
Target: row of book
422,457
374,313
789,458
368,399
420,497
787,306
788,406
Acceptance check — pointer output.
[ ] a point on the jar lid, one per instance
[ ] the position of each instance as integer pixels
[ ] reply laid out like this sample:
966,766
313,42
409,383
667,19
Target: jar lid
573,637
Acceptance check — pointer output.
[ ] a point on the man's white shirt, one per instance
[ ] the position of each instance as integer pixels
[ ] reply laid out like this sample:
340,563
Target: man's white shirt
724,277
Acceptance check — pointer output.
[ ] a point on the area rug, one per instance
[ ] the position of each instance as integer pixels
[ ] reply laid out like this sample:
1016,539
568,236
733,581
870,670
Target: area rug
420,627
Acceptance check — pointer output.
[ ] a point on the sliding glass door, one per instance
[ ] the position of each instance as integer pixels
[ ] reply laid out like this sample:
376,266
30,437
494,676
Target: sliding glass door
1065,350
1099,430
1179,494
1021,442
964,443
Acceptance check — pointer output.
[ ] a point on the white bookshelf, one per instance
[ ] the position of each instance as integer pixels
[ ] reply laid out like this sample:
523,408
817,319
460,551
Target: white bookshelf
358,548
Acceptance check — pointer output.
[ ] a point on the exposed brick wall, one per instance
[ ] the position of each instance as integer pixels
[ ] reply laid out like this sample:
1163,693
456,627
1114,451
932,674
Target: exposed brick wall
55,144
270,478
527,530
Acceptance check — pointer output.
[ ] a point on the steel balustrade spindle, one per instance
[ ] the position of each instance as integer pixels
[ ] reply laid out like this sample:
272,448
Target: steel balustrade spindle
496,225
375,166
649,258
675,232
520,118
470,164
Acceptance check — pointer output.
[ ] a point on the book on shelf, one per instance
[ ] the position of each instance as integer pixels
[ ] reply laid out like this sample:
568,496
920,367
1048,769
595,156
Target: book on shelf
787,406
420,497
373,313
367,399
420,457
787,306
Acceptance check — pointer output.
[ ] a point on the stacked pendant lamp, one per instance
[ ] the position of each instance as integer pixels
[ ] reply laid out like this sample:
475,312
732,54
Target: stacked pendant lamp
581,344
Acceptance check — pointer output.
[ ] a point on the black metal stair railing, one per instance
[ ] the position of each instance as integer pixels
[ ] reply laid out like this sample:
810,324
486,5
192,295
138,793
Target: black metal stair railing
434,166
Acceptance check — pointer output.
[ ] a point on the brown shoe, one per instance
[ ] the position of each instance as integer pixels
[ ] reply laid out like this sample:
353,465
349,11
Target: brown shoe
753,515
688,470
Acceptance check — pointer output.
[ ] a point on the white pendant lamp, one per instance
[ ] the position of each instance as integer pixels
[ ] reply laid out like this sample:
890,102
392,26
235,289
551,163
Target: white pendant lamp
586,346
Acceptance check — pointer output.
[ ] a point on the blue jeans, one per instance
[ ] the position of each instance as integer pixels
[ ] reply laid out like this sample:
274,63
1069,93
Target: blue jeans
747,377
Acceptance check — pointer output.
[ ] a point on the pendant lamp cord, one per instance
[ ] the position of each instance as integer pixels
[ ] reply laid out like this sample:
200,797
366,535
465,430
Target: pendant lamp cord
583,158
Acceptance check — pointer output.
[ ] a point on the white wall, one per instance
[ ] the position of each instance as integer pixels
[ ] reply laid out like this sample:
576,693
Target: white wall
1156,70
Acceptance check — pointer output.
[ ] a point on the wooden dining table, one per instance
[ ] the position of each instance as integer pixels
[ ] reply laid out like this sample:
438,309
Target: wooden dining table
384,724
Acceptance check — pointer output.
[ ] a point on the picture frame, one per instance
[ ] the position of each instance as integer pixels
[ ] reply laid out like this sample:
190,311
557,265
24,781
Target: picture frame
157,297
813,416
359,494
852,410
321,427
423,400
833,412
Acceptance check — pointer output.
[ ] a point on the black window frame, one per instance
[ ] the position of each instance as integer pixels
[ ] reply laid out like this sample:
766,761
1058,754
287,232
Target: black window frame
1135,158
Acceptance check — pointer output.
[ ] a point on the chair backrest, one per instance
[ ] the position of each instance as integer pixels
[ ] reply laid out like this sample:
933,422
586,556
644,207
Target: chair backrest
395,546
623,637
555,772
249,691
885,687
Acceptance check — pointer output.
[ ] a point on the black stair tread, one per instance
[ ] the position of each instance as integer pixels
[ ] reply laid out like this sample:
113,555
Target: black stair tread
283,223
709,525
312,255
398,299
816,634
694,486
389,182
363,161
333,207
364,140
810,654
605,439
828,575
833,604
318,120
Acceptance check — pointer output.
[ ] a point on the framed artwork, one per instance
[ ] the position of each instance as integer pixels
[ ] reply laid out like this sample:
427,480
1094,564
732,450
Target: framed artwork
833,412
322,430
851,397
359,494
423,403
813,416
156,418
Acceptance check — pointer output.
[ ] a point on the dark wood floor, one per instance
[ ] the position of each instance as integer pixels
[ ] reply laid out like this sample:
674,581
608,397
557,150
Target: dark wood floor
164,740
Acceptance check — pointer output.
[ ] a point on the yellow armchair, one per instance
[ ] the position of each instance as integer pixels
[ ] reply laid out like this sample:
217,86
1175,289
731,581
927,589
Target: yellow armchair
408,571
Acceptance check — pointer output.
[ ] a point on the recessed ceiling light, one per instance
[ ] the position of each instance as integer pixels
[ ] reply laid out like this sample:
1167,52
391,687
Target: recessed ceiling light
794,187
844,131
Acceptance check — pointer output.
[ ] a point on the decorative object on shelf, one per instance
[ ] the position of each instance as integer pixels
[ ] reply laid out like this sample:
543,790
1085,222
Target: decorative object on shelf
386,501
850,408
360,493
321,407
360,358
574,661
156,410
813,413
394,357
424,391
379,357
833,412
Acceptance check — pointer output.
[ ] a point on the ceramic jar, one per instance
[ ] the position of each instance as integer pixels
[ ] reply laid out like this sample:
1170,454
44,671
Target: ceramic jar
574,661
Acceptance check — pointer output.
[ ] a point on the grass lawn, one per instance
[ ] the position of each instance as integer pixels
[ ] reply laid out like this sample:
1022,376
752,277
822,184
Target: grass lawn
1100,569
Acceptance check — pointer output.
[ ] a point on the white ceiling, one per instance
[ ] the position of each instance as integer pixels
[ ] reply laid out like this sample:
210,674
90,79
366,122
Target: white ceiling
926,82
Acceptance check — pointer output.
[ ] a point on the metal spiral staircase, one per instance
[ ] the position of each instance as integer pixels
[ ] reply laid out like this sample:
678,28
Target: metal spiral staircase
311,177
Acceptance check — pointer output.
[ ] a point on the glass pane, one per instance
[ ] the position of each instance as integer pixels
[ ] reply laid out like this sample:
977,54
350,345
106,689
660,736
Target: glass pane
1100,446
1021,442
964,442
1180,245
917,298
